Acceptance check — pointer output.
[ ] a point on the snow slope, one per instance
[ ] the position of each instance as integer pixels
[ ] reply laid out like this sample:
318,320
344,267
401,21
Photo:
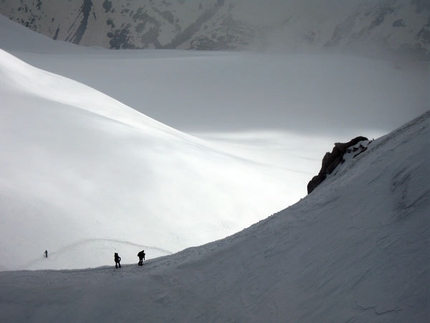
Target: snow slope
79,166
83,175
355,250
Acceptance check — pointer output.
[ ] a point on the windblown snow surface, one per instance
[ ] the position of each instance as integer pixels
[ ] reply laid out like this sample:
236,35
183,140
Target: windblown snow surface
354,250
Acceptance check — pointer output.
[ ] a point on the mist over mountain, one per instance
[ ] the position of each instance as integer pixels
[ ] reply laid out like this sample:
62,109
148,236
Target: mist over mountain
371,27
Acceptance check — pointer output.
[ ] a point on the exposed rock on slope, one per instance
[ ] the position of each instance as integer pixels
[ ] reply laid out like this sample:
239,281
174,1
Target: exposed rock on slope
338,156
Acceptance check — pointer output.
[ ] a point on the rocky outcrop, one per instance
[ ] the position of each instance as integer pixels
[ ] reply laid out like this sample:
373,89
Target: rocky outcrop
337,156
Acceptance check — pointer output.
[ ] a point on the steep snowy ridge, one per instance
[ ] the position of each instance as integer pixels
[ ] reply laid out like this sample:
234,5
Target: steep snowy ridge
372,27
355,250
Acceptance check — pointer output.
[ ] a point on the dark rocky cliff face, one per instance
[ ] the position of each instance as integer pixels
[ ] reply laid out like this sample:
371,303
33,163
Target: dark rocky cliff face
84,13
400,26
337,157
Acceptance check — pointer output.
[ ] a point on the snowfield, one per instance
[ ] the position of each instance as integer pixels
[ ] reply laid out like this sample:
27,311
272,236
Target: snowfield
91,168
355,250
192,156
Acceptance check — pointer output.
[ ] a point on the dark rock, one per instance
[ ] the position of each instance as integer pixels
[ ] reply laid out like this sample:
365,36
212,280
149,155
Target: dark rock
332,160
315,181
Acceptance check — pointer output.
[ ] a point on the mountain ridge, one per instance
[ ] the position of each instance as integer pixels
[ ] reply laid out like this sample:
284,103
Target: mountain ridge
373,28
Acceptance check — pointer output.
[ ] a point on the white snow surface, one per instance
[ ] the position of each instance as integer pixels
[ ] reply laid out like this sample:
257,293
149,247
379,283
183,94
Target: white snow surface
84,175
355,250
79,166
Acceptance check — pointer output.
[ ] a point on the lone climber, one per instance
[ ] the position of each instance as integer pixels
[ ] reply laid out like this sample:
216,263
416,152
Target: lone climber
117,259
141,256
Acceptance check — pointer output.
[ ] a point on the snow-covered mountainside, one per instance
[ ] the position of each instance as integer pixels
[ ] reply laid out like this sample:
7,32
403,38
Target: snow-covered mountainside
354,250
372,27
82,174
80,170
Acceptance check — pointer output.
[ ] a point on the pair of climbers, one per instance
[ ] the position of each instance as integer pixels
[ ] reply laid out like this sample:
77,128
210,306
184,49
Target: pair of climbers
117,259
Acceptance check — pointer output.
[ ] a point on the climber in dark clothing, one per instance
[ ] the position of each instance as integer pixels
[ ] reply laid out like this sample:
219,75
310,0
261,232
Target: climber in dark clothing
117,259
141,256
